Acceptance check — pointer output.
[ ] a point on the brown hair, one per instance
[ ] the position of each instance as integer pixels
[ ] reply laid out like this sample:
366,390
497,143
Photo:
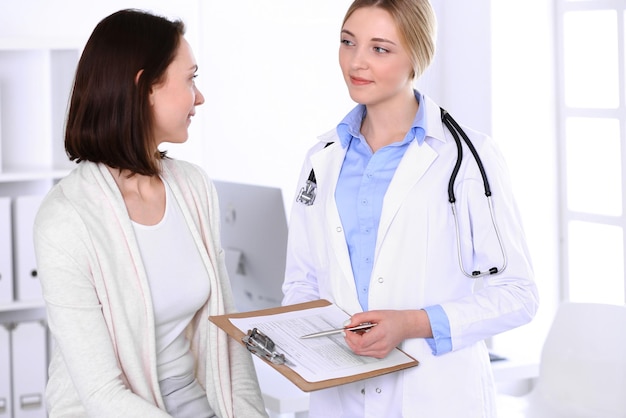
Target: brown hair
417,24
110,119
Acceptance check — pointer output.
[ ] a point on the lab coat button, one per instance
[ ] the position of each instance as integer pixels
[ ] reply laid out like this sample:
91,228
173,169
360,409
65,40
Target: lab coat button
379,390
338,229
363,391
381,280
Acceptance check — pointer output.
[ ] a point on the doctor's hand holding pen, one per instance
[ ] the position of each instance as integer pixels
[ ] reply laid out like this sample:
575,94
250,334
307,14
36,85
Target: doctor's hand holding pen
392,327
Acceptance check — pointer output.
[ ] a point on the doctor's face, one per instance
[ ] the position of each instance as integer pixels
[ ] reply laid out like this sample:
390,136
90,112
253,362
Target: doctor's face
375,65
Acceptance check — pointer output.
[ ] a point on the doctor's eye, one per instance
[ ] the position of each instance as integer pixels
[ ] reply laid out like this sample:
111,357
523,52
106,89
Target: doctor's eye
380,50
347,42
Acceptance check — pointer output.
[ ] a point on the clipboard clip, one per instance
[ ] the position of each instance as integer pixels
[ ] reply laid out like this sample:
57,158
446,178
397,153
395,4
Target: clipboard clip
260,344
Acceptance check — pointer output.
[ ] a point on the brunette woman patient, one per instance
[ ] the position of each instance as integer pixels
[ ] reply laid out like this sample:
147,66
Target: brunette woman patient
128,244
379,239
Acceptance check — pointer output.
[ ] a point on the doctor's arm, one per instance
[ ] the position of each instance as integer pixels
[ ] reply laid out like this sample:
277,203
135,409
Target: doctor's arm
505,301
510,298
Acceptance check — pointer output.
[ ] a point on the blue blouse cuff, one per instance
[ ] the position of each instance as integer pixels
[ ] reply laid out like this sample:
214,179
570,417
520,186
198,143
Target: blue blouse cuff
441,342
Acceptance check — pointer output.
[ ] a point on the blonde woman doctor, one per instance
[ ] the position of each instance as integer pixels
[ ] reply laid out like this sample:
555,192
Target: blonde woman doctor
379,240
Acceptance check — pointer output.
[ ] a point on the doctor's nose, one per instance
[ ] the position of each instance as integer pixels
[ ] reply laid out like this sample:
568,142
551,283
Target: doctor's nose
358,60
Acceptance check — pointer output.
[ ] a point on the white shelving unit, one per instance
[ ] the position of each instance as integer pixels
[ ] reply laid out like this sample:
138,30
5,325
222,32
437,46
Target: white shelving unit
36,78
35,82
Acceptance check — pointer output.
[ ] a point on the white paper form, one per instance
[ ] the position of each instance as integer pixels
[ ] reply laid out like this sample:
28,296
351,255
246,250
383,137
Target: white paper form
316,359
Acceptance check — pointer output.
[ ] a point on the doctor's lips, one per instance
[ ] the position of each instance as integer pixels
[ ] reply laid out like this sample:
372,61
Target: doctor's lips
357,81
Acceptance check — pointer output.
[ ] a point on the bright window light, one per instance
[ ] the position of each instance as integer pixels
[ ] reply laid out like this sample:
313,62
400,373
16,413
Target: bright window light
594,177
591,59
596,263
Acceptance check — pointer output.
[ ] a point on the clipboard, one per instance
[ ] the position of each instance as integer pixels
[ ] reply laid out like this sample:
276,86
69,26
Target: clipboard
223,322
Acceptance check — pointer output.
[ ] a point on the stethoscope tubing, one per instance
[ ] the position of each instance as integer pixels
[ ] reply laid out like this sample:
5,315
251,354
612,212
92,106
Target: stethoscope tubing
477,273
455,130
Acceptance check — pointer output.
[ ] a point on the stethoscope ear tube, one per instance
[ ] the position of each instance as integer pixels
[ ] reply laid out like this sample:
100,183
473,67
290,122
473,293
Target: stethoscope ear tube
459,158
455,129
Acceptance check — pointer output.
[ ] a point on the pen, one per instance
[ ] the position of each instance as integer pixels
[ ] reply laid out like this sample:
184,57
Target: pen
361,327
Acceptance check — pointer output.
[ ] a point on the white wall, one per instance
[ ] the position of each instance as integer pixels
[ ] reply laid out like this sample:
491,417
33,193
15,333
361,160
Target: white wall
272,82
459,79
270,76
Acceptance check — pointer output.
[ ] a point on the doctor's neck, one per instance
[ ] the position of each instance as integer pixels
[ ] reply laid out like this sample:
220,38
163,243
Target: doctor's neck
386,123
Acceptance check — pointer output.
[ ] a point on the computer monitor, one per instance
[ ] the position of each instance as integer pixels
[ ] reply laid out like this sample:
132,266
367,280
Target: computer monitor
254,238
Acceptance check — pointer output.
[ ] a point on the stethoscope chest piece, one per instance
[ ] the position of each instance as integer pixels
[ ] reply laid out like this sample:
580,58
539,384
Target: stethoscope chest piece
307,193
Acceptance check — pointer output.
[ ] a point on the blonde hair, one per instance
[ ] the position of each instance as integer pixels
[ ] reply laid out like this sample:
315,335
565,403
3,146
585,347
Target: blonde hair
416,23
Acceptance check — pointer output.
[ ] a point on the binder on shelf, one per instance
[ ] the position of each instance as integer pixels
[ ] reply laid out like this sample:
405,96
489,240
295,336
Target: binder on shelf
310,364
6,252
26,282
6,400
1,153
29,360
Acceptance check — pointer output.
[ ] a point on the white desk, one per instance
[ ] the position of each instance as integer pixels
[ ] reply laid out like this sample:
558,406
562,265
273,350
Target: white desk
515,376
512,370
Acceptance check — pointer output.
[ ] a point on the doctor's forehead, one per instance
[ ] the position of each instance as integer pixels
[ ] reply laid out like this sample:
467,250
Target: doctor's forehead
372,23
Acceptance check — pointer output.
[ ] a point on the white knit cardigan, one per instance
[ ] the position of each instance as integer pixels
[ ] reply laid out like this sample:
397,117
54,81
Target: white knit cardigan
99,306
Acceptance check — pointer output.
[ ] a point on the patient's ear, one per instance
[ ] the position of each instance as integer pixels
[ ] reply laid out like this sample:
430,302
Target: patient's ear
137,77
139,73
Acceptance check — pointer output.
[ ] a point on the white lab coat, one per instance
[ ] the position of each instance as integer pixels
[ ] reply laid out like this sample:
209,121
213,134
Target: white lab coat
416,266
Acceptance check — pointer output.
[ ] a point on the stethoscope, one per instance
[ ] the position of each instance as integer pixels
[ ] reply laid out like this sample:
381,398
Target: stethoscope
308,192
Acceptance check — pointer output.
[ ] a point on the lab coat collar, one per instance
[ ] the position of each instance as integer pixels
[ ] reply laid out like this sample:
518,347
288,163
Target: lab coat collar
432,123
350,126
